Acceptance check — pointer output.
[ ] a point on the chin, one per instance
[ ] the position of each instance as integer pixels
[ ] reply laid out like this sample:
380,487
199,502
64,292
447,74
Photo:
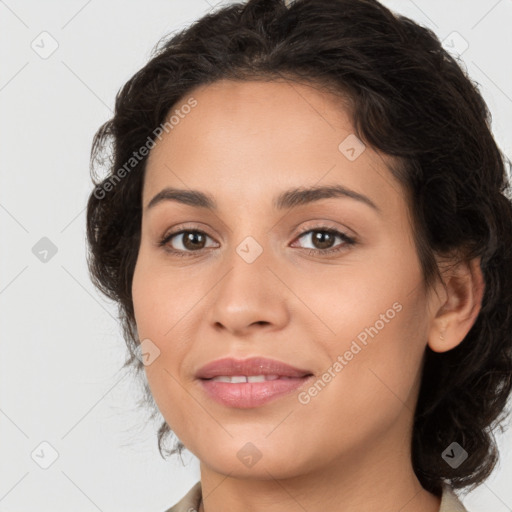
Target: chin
246,459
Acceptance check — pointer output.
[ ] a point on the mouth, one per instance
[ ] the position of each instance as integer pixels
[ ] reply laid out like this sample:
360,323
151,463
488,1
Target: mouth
236,379
248,383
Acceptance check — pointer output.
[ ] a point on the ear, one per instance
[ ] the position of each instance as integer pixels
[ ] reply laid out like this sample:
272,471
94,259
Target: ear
456,312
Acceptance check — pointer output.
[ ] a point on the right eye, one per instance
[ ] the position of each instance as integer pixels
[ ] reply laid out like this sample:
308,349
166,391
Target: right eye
188,241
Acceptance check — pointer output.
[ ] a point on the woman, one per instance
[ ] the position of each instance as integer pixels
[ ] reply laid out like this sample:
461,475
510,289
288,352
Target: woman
306,227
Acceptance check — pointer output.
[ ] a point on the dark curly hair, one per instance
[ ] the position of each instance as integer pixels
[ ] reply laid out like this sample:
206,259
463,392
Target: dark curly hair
409,99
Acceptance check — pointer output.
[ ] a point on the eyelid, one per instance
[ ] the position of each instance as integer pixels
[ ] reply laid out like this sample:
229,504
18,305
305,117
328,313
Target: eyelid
318,224
184,227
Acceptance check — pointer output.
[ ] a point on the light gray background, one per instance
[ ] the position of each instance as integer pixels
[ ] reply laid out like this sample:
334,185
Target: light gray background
61,345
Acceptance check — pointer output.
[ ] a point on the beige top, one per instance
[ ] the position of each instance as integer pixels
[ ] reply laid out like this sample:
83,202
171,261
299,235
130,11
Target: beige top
190,502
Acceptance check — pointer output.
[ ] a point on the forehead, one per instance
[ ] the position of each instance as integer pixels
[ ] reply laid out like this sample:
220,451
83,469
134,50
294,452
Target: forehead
243,139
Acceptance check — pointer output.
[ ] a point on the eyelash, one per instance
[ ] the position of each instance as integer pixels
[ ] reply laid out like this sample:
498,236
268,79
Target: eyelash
348,241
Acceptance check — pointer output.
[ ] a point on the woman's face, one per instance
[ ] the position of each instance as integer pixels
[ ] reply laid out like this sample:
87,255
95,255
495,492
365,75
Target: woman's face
245,281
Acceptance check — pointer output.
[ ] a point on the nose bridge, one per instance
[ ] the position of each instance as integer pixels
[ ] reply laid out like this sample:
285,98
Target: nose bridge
249,276
250,246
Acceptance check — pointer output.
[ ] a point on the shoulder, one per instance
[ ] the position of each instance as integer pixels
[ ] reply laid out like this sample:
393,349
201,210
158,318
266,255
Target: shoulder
189,502
450,501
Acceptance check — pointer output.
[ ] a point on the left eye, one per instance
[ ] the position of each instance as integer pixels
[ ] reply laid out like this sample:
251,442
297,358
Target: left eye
324,237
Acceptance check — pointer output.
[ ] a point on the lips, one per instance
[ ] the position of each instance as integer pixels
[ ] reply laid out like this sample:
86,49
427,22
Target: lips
254,366
249,383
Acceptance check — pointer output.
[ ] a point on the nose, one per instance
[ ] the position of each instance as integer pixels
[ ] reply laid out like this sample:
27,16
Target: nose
250,296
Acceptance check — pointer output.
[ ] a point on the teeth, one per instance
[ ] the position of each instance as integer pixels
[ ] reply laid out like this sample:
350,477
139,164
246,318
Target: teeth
222,379
234,379
256,378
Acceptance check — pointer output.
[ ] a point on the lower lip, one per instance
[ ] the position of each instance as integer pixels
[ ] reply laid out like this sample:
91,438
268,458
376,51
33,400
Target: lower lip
245,395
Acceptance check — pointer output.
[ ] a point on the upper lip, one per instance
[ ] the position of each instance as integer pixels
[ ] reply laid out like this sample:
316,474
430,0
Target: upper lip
252,366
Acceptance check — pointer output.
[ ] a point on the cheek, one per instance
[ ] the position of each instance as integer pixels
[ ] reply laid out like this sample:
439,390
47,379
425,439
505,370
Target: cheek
161,298
372,388
376,320
354,300
389,363
160,309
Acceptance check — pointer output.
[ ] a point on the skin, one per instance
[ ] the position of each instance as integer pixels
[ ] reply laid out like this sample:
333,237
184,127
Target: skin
348,448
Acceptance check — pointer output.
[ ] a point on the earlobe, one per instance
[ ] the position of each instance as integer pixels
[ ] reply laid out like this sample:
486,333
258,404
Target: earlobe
464,286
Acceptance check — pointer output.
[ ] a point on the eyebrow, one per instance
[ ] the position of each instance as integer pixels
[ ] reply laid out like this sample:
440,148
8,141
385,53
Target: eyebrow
291,198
